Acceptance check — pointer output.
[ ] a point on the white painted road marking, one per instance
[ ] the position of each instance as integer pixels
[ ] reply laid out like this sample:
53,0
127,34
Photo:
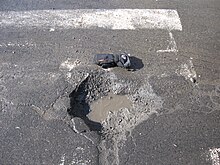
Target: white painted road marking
116,19
171,46
214,153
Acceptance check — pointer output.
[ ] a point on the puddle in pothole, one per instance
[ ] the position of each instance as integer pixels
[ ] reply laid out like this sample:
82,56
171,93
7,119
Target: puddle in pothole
110,103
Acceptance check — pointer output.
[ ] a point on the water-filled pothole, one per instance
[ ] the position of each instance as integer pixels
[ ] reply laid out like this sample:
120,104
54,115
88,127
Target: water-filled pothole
110,103
93,99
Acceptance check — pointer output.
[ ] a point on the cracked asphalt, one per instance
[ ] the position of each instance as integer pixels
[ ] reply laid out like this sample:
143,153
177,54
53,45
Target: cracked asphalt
45,74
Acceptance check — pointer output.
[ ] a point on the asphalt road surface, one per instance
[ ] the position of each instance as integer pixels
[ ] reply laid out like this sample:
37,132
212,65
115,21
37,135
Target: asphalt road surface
48,82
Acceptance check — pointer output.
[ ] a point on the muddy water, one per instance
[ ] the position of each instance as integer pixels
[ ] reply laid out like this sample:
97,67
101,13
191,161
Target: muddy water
110,103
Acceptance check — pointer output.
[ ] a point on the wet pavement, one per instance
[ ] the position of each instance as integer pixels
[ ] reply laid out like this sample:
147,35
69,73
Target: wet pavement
48,86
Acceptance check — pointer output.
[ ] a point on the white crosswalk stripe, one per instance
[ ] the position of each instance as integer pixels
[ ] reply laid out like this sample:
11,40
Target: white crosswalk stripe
115,19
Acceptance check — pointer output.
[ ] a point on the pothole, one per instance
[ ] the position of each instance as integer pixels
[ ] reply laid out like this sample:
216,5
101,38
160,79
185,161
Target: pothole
110,103
96,97
93,87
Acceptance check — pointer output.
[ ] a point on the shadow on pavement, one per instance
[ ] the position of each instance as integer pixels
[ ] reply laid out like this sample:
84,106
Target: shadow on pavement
136,63
80,108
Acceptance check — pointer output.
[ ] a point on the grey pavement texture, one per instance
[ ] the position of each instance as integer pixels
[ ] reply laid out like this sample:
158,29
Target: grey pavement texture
175,117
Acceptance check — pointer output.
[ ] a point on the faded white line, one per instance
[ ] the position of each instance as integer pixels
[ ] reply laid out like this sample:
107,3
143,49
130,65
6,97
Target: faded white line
171,46
214,154
18,44
116,19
